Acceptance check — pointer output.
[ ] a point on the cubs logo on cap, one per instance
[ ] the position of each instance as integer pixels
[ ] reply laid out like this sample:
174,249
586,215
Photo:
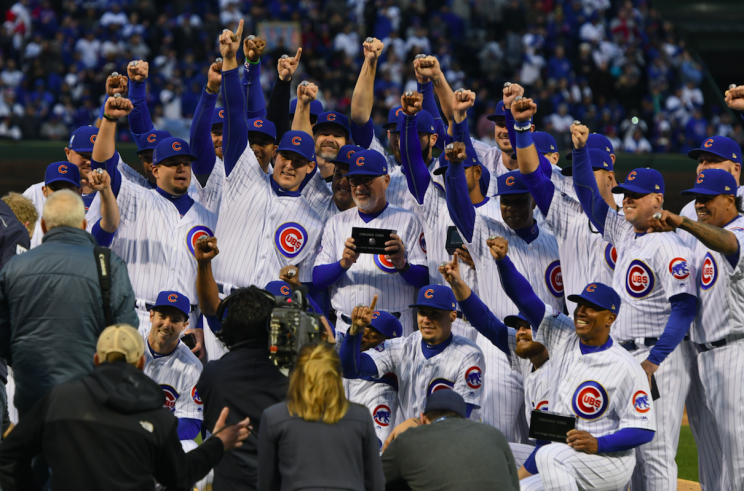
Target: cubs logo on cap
382,415
258,123
284,289
632,175
639,281
261,125
173,297
331,117
151,137
708,143
473,378
610,254
83,138
62,169
509,181
554,278
222,113
708,272
429,293
439,384
541,406
194,235
290,239
368,163
196,398
150,141
93,138
384,263
422,242
641,402
171,396
436,296
171,147
590,400
350,153
678,268
359,161
296,140
712,182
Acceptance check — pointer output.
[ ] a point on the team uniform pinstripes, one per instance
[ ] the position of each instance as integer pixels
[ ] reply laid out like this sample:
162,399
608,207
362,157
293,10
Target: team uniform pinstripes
177,374
688,211
380,398
537,381
210,195
319,196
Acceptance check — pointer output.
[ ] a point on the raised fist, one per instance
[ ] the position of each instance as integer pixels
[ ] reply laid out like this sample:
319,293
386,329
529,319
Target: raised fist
735,98
98,181
579,135
253,47
116,84
372,49
138,70
499,247
427,67
411,102
287,66
307,93
523,110
462,100
230,41
455,152
511,91
117,107
214,76
206,249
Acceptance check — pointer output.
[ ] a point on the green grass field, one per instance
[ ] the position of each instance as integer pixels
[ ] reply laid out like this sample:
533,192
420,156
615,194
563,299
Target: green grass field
687,456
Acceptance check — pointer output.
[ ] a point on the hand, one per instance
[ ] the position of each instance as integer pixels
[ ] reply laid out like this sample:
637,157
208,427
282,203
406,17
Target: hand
117,107
396,251
294,280
461,102
582,441
116,85
253,48
198,348
287,66
214,76
455,152
98,182
307,93
499,247
510,93
465,256
411,102
451,270
350,255
232,436
230,42
650,369
579,135
361,317
398,430
735,98
327,334
138,72
428,67
523,110
373,50
669,222
206,250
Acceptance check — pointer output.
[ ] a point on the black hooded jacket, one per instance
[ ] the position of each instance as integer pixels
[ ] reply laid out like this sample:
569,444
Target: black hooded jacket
107,430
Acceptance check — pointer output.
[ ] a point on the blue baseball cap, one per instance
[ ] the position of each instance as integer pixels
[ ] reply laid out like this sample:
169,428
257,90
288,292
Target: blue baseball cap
218,117
600,295
544,142
62,171
174,299
346,154
83,138
393,116
471,159
316,107
446,400
513,320
511,183
298,142
171,147
367,163
642,181
500,112
713,182
424,122
437,297
723,146
262,125
279,288
150,140
599,159
600,142
387,324
332,118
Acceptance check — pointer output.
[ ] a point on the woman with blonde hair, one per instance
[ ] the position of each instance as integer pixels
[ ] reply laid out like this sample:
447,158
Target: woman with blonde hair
317,439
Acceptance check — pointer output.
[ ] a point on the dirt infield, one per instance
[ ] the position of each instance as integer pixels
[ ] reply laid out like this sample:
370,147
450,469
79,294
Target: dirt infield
683,485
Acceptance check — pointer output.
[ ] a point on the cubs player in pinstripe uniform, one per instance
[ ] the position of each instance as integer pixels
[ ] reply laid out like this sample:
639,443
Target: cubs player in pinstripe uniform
428,360
326,201
355,278
655,277
717,334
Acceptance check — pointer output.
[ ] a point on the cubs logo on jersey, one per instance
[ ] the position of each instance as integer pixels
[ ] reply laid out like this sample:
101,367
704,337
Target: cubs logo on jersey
678,268
590,400
439,384
610,256
639,281
171,396
641,402
541,406
708,272
473,378
422,242
554,278
382,415
385,264
290,238
195,397
194,235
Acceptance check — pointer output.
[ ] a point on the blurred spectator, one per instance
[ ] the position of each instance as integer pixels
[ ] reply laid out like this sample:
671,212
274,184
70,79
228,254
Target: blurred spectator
347,41
696,127
559,66
114,17
88,47
54,129
637,143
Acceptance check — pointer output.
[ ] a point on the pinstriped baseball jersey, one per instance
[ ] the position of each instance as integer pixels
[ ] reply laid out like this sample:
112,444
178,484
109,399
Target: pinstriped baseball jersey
380,398
650,269
373,274
490,157
459,367
210,195
320,197
177,374
260,232
607,391
537,383
720,291
689,212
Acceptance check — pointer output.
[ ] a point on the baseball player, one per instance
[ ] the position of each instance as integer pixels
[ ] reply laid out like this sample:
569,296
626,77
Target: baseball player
593,379
428,360
718,330
655,276
379,395
325,201
355,278
171,364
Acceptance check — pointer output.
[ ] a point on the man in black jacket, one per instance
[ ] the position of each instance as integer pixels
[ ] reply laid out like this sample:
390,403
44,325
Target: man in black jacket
109,430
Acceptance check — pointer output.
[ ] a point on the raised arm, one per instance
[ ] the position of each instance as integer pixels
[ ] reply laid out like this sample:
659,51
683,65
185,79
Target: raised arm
459,205
363,97
353,362
104,230
306,93
278,110
585,184
429,67
714,238
235,127
206,286
417,174
201,126
139,119
104,148
253,47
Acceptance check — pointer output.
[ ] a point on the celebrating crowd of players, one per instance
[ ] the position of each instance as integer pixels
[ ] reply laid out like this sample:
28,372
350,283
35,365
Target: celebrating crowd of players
568,293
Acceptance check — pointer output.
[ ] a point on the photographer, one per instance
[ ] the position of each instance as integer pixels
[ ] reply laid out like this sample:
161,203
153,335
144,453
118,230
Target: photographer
317,415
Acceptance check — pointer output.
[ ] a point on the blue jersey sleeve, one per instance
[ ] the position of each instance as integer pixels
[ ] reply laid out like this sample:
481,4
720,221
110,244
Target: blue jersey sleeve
103,238
586,189
624,439
684,308
510,129
362,135
353,362
541,189
461,209
416,275
201,134
519,290
188,428
139,119
235,127
325,275
110,166
485,322
430,105
414,168
251,81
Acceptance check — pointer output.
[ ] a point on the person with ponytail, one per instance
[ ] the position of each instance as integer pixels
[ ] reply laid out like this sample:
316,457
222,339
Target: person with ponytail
317,439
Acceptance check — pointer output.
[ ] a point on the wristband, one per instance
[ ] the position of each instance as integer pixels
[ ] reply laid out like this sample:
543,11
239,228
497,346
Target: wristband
524,138
522,127
405,267
252,62
210,91
110,118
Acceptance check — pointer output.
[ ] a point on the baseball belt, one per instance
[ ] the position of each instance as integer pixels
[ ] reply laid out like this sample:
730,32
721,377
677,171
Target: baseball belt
731,338
647,342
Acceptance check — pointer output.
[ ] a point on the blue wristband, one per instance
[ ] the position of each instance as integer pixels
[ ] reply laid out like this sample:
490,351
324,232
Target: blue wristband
524,138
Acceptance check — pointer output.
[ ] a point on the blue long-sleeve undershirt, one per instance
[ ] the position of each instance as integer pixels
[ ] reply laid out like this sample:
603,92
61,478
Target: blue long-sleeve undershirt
201,135
102,109
414,167
430,105
362,135
459,204
519,290
624,439
585,185
354,363
188,428
684,308
110,167
541,188
325,275
256,104
235,127
485,322
416,275
139,119
103,238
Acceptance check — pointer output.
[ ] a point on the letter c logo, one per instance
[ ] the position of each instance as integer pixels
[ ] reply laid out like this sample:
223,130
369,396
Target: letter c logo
331,117
429,293
151,137
296,140
93,138
591,287
360,161
632,176
176,146
398,111
510,180
708,143
258,123
351,152
222,114
62,169
284,289
700,178
172,297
